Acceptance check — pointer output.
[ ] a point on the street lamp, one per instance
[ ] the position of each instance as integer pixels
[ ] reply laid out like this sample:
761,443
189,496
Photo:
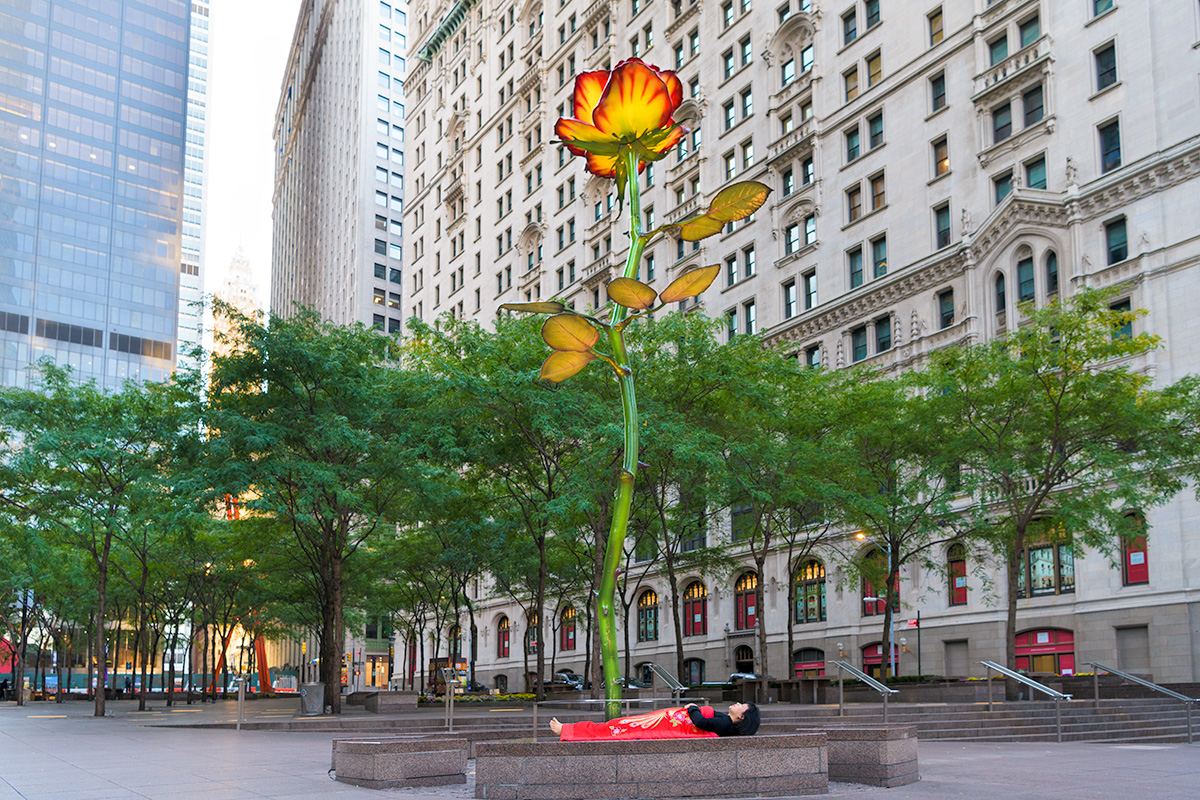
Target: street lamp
891,614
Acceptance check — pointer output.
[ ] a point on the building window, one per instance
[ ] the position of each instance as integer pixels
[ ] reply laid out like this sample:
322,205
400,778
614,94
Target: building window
854,258
941,216
807,171
998,49
937,91
1123,330
875,130
729,115
789,300
693,670
1029,31
731,323
810,592
810,229
878,193
937,30
1052,568
1135,569
883,334
854,203
566,629
747,103
1035,173
808,662
810,289
741,522
503,630
647,616
849,27
787,72
789,182
852,144
744,602
1116,240
791,239
1100,6
1034,105
946,308
728,65
1106,66
1046,651
858,343
1025,283
941,157
850,81
956,557
812,357
531,634
695,610
874,68
872,13
879,256
1001,123
731,270
1110,146
1002,185
1052,274
750,314
1001,296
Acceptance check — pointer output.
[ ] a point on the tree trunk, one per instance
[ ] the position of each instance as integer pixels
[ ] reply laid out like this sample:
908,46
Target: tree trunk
760,616
91,686
791,615
1012,688
676,620
540,605
474,638
101,608
333,642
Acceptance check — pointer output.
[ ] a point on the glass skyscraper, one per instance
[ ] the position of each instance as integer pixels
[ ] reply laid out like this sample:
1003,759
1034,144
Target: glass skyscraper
93,116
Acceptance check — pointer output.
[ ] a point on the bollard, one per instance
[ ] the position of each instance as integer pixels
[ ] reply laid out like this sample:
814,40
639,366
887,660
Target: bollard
241,702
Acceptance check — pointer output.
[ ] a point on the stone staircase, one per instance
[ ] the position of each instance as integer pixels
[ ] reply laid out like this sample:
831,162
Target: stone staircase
1126,720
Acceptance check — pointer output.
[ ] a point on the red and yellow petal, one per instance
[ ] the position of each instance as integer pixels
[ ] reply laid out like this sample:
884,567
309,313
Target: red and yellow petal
589,86
674,88
635,101
602,166
573,130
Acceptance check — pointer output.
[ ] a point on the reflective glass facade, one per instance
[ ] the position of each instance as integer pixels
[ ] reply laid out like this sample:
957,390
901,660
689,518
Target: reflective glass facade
92,123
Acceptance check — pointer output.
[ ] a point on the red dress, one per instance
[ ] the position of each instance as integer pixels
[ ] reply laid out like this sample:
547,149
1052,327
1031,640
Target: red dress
666,723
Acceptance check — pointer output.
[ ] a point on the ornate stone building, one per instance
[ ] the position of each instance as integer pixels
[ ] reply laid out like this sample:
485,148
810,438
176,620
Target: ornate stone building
933,164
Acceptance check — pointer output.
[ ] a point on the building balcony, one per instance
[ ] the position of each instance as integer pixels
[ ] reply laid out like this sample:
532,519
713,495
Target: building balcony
790,145
455,191
690,10
688,208
532,77
599,271
1018,64
594,13
788,93
689,161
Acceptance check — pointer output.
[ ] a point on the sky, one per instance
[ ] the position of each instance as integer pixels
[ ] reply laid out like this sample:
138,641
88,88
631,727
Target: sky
248,45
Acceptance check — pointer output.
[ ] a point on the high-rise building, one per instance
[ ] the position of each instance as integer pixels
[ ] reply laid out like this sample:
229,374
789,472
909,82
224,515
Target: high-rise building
932,166
241,292
93,110
339,169
192,314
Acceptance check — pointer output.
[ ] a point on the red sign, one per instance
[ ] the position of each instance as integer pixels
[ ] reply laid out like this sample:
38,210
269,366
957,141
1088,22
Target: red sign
913,623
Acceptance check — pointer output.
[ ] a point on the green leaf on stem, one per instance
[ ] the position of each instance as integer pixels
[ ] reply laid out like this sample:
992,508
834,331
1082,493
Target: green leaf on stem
690,284
571,333
544,307
697,228
738,201
631,293
562,364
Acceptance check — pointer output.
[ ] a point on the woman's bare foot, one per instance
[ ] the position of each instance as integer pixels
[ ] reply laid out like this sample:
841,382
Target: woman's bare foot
555,726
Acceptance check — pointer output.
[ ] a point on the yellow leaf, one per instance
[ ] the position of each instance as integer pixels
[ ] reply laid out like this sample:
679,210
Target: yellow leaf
570,333
690,284
631,293
693,230
738,201
546,307
561,365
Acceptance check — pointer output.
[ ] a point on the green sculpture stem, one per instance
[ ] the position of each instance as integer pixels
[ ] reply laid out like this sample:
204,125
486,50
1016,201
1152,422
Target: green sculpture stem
624,497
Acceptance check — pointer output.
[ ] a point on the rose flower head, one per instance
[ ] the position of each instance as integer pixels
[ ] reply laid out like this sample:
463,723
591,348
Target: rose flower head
627,110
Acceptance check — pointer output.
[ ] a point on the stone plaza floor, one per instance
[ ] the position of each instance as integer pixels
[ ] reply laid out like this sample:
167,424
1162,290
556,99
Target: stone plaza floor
54,751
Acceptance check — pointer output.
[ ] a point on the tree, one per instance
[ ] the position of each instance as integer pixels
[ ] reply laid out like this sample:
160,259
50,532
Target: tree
88,466
1060,435
327,435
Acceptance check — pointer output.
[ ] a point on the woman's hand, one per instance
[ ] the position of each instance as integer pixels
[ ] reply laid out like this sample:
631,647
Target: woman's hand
690,705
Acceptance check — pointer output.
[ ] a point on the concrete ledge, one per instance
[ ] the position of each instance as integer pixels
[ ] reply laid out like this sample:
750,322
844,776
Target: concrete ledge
391,702
398,763
878,755
755,766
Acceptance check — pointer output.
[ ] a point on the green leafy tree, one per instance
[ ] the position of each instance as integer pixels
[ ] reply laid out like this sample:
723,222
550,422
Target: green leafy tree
322,431
1060,432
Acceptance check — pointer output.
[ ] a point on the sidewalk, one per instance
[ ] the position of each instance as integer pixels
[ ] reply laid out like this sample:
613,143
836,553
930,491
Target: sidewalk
60,752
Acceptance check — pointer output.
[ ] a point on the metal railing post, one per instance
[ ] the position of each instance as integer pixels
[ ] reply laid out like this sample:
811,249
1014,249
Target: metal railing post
885,704
1187,701
841,694
535,721
1189,721
989,680
1058,716
1096,688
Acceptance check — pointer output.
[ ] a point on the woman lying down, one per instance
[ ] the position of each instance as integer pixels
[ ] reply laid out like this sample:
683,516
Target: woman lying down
666,723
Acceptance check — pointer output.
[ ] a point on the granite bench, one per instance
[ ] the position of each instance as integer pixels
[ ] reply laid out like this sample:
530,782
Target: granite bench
391,702
399,763
755,766
879,755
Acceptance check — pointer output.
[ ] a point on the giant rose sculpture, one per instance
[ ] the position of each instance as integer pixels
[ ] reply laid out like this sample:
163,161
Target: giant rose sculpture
622,120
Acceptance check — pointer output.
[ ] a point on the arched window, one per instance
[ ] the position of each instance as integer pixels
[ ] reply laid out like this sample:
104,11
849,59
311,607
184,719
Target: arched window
1136,567
745,608
531,634
810,592
1026,291
1051,274
647,616
693,671
501,684
695,610
1048,567
956,558
875,607
1049,651
808,662
503,629
1001,297
743,659
566,629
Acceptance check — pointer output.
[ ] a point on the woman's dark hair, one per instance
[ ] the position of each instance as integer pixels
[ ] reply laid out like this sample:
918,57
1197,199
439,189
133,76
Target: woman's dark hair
748,724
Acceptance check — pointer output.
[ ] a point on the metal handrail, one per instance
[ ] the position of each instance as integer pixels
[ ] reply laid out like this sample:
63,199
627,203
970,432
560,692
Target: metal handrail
1187,701
580,701
670,680
1032,684
865,678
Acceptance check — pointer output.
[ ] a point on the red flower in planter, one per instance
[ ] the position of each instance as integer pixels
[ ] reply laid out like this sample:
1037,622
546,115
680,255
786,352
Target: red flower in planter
627,110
